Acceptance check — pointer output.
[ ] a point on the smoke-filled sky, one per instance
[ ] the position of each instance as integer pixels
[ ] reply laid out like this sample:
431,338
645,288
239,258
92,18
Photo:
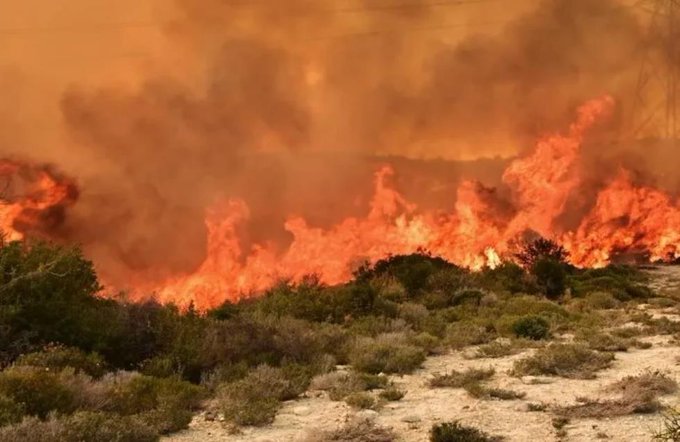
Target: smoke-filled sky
158,107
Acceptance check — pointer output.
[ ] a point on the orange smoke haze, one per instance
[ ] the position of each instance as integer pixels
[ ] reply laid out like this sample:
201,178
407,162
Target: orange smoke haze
274,116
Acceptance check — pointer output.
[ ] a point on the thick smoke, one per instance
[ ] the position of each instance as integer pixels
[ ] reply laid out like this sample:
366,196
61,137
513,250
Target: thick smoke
290,106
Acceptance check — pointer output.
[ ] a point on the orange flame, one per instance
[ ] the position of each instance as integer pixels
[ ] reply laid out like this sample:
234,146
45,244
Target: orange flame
475,234
29,196
479,230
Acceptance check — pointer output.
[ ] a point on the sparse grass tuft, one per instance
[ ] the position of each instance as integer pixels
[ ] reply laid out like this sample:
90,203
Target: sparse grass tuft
496,350
638,394
360,430
457,379
479,391
671,427
457,432
566,360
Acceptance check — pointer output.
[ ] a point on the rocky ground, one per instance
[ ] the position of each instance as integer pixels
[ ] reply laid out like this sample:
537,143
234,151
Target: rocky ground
412,417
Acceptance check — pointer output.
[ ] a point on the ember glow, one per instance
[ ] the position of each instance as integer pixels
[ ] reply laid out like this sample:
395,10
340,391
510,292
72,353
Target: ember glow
480,229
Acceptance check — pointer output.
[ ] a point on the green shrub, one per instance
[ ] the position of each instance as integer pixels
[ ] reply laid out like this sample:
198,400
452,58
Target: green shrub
255,399
566,360
531,327
38,390
11,412
463,334
411,271
551,276
32,429
361,400
382,356
601,300
138,393
373,381
457,432
101,427
80,427
57,357
508,277
623,282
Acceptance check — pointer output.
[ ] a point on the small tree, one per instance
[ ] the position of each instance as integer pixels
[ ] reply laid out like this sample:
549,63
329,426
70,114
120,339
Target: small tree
541,249
551,277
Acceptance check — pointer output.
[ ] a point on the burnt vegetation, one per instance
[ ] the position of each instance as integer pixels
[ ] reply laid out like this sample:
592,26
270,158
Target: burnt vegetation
79,366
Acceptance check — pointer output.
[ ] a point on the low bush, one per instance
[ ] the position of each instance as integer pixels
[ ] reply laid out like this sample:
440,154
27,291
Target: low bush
531,327
601,300
373,381
457,379
392,394
671,427
80,427
479,391
359,430
610,343
10,411
138,393
566,360
58,357
101,427
496,350
39,391
381,355
457,432
464,334
255,399
637,394
361,400
338,384
551,277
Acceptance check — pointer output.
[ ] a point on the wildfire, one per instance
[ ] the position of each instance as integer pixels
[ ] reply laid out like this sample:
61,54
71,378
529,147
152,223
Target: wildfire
31,197
480,229
477,232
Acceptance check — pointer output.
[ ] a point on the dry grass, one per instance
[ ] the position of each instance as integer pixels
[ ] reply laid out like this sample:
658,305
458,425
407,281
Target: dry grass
575,361
610,342
357,431
479,391
457,379
496,349
638,394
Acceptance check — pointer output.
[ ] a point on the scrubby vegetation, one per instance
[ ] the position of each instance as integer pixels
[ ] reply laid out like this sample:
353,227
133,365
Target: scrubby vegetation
637,394
457,432
566,360
74,362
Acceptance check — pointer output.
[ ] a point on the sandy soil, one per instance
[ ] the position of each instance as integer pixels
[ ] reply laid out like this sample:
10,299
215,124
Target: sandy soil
412,417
